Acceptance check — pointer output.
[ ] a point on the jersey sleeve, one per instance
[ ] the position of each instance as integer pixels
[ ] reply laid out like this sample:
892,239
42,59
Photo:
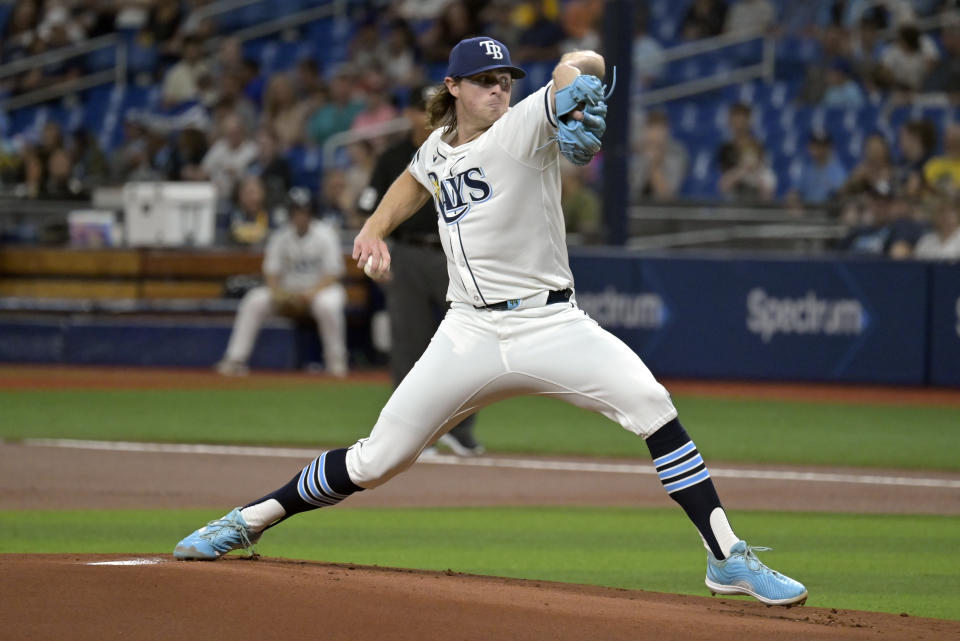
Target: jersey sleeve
528,130
272,259
418,164
333,263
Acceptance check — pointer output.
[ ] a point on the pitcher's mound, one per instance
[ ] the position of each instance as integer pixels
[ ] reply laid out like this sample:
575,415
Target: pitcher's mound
152,596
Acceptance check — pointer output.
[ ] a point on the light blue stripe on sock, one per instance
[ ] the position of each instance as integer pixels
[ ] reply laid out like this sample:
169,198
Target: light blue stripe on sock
304,492
686,466
323,478
312,485
674,455
687,482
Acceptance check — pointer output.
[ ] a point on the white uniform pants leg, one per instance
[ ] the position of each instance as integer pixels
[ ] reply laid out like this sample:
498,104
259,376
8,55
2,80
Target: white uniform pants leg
253,311
327,308
479,357
561,352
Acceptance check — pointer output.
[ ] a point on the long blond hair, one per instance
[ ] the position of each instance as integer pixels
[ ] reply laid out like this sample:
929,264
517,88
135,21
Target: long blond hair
442,110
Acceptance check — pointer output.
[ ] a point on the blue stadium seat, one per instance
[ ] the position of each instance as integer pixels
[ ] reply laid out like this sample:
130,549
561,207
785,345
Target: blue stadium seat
101,59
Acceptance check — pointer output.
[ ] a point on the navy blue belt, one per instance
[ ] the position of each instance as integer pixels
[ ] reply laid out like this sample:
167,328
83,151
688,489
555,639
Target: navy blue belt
556,296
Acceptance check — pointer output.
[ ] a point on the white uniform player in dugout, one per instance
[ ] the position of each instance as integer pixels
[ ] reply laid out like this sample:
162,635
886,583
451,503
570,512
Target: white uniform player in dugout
513,326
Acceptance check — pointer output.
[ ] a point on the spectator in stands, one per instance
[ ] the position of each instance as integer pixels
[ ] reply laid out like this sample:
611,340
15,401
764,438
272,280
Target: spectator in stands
336,115
57,26
378,108
500,19
250,215
822,175
228,158
132,160
283,113
581,206
647,53
945,74
398,54
842,91
59,182
183,81
541,41
704,19
302,266
916,143
228,60
20,35
887,228
186,158
866,45
739,136
273,168
306,79
750,16
336,206
362,48
161,29
875,166
455,23
943,241
92,168
751,178
909,59
582,23
943,172
230,97
658,163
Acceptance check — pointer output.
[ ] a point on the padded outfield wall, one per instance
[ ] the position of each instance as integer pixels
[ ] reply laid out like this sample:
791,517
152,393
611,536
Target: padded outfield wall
816,319
863,321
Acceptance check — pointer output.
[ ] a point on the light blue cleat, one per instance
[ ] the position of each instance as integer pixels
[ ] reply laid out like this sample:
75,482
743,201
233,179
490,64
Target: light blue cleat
217,538
743,573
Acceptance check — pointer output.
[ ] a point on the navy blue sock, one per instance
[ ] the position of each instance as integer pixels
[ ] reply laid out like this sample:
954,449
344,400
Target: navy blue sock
685,477
322,483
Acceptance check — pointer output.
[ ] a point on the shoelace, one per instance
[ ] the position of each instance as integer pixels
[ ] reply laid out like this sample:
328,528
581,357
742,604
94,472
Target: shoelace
214,527
753,561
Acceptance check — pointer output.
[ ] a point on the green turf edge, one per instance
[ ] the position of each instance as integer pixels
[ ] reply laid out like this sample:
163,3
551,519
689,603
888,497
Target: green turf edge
733,430
886,563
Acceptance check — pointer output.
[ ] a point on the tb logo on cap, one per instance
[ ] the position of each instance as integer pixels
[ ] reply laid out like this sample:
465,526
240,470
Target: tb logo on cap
492,49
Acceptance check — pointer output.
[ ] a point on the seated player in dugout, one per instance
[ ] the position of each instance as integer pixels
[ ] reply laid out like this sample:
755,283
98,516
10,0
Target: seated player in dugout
493,173
302,266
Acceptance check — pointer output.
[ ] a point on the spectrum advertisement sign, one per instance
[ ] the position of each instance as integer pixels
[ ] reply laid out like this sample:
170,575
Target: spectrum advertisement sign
853,321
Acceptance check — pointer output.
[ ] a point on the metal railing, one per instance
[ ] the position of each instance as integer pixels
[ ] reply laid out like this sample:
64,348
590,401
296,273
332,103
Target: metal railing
695,225
763,69
346,138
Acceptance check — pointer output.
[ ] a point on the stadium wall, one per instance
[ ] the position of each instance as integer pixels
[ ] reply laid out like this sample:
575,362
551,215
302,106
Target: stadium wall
844,320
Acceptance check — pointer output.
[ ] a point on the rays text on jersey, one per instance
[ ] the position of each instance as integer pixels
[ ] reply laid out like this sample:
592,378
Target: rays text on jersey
454,196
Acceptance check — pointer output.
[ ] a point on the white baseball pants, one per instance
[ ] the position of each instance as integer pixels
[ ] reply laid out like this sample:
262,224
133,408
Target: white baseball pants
478,357
327,307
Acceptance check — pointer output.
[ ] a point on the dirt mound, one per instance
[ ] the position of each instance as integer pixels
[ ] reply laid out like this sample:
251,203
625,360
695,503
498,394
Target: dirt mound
50,597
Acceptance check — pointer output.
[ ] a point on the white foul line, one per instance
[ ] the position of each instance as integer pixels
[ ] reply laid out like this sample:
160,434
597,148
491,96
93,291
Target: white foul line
489,461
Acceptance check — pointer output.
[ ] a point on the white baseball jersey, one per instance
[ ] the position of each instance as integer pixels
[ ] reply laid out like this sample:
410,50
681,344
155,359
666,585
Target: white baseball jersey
301,262
498,204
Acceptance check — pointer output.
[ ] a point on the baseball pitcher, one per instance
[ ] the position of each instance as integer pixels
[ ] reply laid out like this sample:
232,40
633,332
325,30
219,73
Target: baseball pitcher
513,326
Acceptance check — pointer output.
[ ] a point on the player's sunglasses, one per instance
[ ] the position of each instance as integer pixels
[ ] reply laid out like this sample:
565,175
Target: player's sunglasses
487,80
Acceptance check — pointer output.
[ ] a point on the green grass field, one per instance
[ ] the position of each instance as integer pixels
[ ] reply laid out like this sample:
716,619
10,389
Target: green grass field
865,562
871,562
732,430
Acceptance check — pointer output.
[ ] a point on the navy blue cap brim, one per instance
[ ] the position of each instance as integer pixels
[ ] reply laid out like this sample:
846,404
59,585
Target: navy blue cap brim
515,72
